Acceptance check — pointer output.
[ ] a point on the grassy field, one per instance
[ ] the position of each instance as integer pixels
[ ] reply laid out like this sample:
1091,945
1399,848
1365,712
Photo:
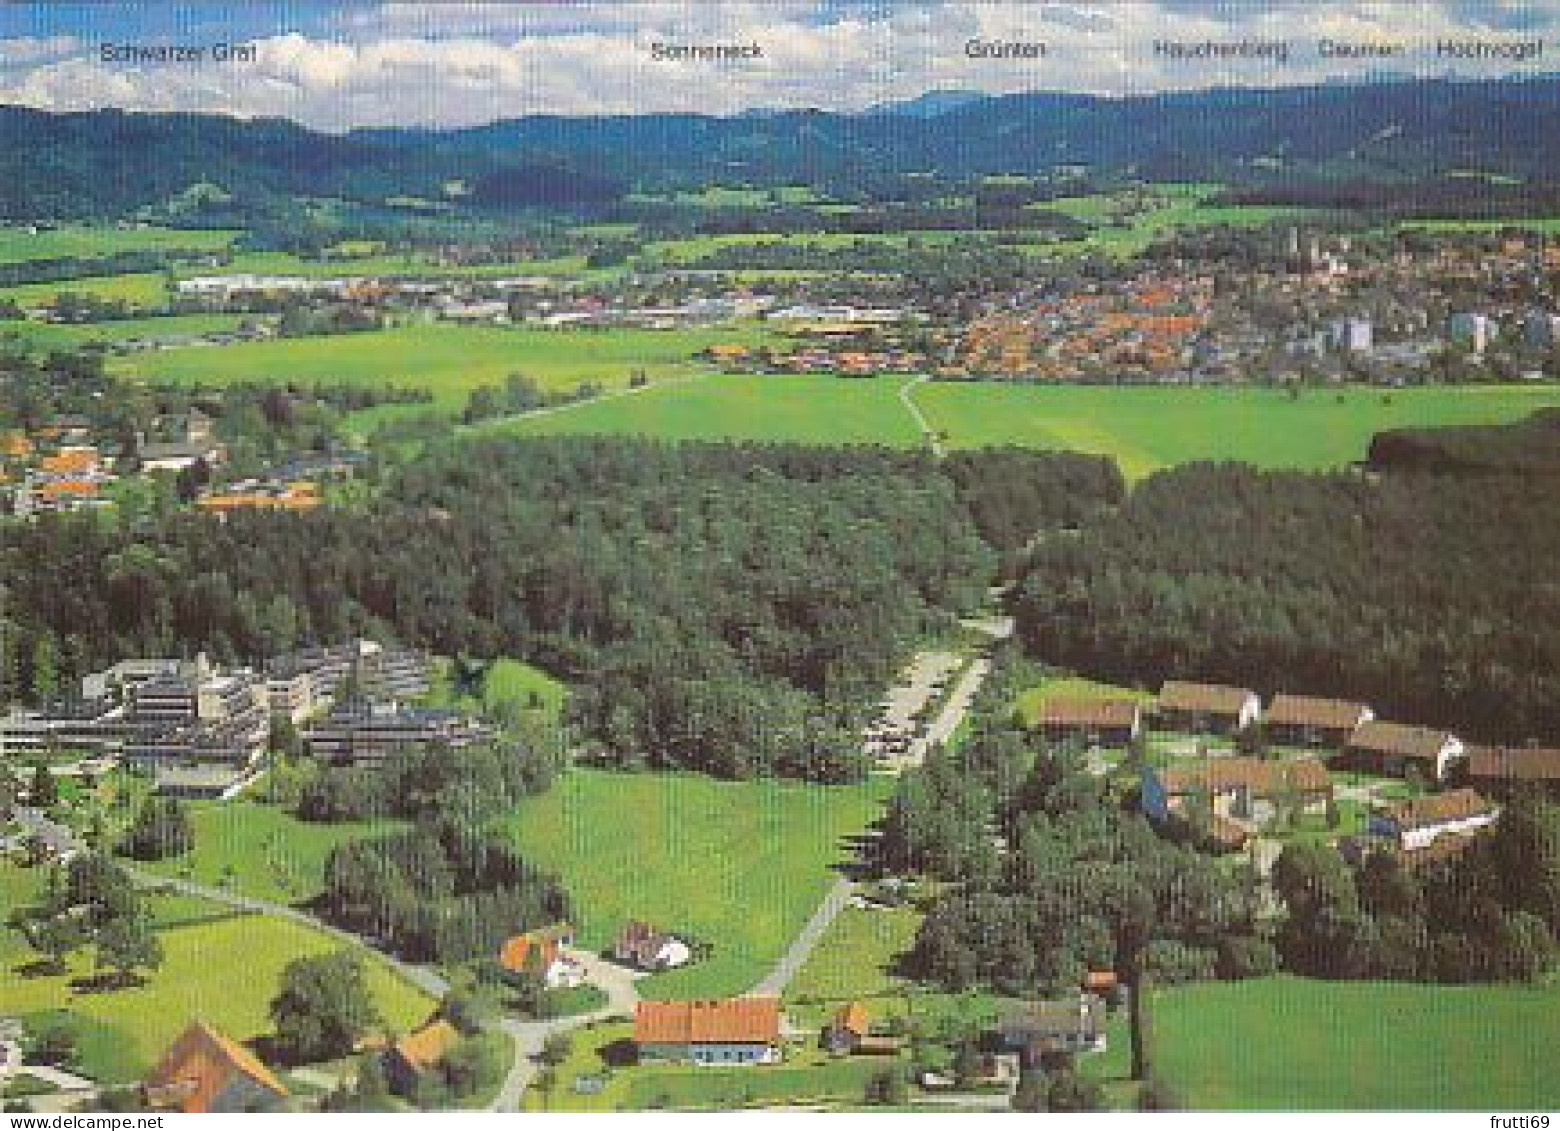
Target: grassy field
137,290
1072,687
17,245
816,410
1146,429
504,680
1291,1044
807,1075
855,959
50,336
739,865
261,850
448,360
224,971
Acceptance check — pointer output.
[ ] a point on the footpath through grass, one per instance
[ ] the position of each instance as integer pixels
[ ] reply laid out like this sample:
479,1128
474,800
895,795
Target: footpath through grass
738,865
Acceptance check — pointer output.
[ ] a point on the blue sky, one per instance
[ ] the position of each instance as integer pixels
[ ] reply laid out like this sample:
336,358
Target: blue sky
339,65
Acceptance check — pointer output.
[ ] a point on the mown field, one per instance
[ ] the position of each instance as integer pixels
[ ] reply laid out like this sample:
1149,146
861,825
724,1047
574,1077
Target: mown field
739,865
1291,1044
50,336
17,245
1071,687
448,360
1144,429
1149,428
225,971
261,850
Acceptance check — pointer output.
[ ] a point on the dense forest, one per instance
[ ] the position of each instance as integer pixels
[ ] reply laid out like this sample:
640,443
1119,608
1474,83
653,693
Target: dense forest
729,608
1363,141
1430,596
1532,446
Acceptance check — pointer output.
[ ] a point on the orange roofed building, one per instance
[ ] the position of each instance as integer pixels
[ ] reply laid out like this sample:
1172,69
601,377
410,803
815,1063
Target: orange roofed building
734,1031
203,1071
416,1054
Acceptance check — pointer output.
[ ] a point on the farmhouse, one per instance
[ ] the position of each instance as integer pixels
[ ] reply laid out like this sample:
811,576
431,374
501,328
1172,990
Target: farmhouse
1235,786
744,1030
1413,825
1036,1029
204,1071
1206,708
1099,722
1390,748
1499,769
643,947
412,1057
1300,720
541,952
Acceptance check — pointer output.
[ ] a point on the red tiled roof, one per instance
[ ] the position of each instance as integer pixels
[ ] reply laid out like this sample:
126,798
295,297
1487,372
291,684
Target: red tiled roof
1262,776
742,1020
428,1046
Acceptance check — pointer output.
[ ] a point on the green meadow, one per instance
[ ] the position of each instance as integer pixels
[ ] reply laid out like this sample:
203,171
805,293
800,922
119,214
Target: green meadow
50,336
225,971
448,360
17,245
738,865
1284,1044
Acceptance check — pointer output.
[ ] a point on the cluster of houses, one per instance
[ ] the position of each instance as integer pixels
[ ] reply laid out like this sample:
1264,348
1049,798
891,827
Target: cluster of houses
1242,793
202,731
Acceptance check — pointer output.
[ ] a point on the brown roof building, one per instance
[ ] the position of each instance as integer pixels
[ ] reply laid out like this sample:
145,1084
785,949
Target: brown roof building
416,1054
733,1031
1415,824
1494,766
204,1071
1200,708
1105,721
1302,720
1390,748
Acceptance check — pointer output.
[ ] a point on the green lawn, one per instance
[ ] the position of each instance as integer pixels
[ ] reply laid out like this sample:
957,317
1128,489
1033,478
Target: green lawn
1290,1044
855,959
740,865
816,410
1149,428
806,1075
272,854
83,240
224,971
448,360
137,290
51,336
1072,687
504,680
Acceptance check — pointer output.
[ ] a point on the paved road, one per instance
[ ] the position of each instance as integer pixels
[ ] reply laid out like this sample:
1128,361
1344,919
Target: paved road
428,980
554,410
920,418
796,954
617,982
940,729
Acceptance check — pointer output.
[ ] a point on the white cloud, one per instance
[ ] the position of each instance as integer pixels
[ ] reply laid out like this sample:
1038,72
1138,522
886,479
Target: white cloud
461,64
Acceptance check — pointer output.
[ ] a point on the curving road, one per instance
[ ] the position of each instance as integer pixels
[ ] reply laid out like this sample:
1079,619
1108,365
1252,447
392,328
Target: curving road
914,409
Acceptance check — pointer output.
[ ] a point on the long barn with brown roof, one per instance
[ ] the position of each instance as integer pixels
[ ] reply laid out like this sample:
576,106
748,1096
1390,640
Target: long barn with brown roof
1103,722
1304,720
1391,748
1206,708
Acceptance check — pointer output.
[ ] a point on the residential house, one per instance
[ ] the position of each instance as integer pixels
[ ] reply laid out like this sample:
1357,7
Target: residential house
1039,1028
734,1031
1301,720
1390,748
644,947
846,1029
542,952
410,1059
1099,722
1206,708
1414,824
204,1071
1502,769
1235,787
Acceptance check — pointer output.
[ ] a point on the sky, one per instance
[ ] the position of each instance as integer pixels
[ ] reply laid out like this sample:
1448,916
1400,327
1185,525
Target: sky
336,66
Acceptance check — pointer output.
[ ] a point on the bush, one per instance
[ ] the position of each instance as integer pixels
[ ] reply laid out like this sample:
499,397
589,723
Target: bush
1245,956
1170,961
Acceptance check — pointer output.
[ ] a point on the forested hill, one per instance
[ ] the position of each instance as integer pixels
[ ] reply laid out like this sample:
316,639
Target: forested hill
110,162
